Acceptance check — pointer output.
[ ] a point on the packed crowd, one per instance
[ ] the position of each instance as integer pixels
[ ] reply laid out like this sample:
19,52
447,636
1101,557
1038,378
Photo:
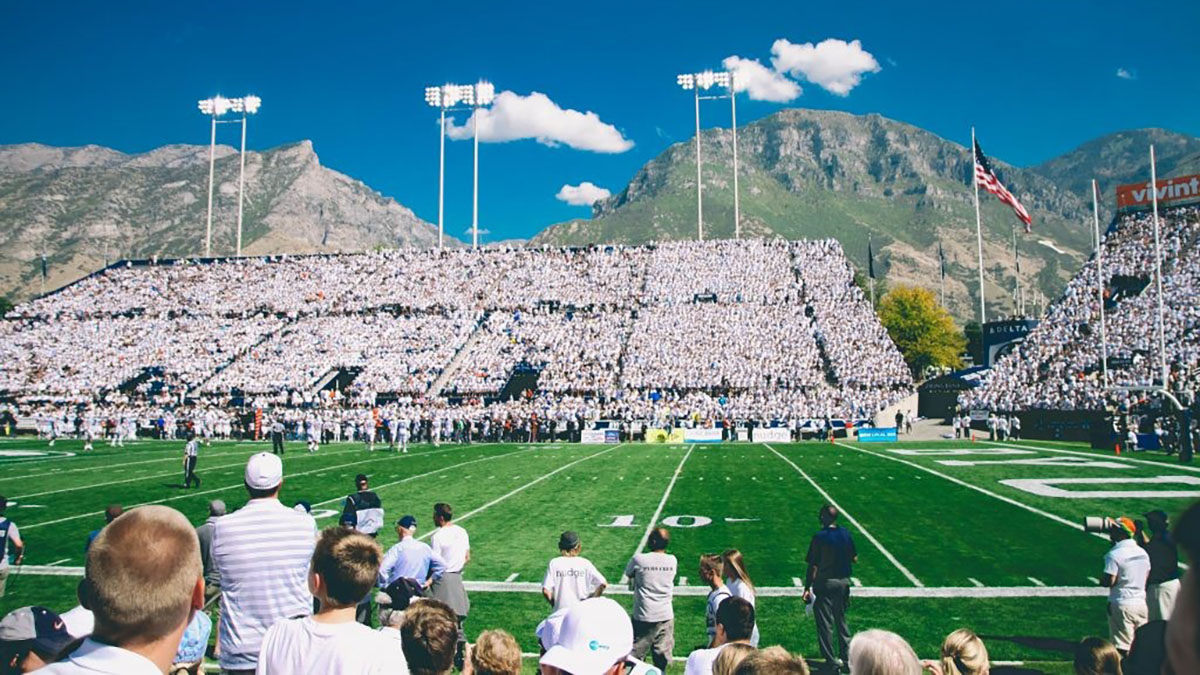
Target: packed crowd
289,599
724,327
1058,366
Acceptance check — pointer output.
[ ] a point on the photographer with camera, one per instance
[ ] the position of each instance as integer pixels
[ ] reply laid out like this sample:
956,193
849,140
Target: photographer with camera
1126,570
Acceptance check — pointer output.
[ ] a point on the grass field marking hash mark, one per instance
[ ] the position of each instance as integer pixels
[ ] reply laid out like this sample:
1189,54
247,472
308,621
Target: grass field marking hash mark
870,537
232,487
468,514
661,504
952,479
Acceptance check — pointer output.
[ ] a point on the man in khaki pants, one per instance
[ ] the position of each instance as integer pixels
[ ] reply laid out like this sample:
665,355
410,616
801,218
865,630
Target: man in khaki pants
1126,569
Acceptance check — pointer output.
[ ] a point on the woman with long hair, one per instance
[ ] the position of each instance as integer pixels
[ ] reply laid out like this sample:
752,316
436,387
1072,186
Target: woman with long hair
739,583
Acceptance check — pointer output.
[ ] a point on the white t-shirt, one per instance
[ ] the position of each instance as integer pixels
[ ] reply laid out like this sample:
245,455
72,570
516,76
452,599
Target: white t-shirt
1129,564
303,646
715,598
700,662
739,589
452,544
571,579
652,578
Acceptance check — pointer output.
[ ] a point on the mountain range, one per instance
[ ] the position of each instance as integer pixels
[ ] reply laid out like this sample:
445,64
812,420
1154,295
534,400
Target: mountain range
85,206
803,174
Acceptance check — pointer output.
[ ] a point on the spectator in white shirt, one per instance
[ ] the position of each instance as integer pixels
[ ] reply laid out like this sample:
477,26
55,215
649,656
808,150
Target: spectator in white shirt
735,624
262,552
571,578
343,570
451,543
1126,568
652,580
143,581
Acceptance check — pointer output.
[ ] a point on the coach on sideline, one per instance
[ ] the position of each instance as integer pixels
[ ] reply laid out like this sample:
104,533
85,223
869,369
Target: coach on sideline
262,552
830,555
143,581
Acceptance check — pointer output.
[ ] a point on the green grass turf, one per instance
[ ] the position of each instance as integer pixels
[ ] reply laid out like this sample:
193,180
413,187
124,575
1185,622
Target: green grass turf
515,500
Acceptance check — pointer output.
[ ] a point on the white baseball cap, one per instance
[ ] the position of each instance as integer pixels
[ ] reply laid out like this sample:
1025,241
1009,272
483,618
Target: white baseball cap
594,635
264,471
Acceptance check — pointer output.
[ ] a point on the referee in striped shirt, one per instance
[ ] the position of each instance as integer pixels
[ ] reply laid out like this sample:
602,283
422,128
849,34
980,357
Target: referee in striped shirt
262,552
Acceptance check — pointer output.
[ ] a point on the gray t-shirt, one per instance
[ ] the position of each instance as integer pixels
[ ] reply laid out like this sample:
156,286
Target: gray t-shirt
652,578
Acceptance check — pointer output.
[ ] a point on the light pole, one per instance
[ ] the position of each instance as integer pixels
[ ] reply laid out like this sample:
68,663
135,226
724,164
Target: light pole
706,80
445,98
216,107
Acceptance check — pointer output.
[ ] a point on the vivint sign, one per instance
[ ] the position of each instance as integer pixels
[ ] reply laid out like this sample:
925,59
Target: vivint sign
1172,191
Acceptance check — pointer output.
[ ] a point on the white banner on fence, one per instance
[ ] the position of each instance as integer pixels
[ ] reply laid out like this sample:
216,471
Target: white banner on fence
702,435
592,436
772,435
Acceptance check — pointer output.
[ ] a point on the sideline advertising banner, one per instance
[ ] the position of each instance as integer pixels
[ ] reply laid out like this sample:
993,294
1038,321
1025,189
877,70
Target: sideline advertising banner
1171,191
877,435
702,435
772,435
661,436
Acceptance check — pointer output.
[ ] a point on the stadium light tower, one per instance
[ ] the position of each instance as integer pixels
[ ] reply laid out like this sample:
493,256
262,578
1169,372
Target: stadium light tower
707,80
215,108
446,98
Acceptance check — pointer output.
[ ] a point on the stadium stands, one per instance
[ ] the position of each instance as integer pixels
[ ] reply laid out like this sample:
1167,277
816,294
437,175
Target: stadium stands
760,329
1059,365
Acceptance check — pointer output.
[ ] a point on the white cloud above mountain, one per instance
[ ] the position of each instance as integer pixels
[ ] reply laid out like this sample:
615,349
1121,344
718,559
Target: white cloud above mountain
584,194
514,117
1126,74
760,82
834,65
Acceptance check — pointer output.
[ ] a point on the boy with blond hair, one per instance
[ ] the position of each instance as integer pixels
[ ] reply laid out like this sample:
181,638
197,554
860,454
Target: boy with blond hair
343,570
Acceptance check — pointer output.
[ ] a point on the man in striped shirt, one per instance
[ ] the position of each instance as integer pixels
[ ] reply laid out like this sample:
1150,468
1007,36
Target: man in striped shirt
262,553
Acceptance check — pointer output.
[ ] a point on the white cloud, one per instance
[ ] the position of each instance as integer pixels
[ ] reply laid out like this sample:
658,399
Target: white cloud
513,117
835,65
760,82
584,194
1126,74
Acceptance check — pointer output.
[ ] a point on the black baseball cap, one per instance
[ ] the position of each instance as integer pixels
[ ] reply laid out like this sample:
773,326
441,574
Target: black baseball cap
360,478
568,541
1155,516
407,522
46,630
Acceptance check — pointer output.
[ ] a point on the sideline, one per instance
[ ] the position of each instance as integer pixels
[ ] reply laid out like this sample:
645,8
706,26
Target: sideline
887,554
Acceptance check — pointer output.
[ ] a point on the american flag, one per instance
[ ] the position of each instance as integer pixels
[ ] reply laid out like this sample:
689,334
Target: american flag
986,179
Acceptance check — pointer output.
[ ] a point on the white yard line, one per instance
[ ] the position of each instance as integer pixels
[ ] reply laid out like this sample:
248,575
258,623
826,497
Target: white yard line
1036,582
429,473
109,467
236,486
956,481
871,538
468,514
797,581
658,512
1091,455
58,562
855,582
1094,580
975,582
176,474
512,577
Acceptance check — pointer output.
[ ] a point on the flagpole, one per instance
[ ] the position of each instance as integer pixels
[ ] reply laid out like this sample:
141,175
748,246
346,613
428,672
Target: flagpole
1016,274
1162,341
871,266
978,233
1099,280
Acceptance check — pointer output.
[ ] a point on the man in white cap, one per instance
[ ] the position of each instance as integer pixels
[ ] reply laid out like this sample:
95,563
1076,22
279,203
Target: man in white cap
262,554
595,638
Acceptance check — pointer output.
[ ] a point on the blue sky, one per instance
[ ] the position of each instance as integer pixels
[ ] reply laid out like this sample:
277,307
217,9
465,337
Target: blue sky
1036,78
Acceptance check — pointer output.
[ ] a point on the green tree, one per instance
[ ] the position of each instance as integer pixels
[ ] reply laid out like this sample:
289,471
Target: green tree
5,305
921,328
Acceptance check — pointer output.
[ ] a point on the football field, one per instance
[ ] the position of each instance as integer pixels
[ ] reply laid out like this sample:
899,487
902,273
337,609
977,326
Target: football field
949,533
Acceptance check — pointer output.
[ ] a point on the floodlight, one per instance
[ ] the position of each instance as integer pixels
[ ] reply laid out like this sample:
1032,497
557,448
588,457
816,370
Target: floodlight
220,105
706,79
451,95
251,104
466,94
433,96
485,93
721,79
686,81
